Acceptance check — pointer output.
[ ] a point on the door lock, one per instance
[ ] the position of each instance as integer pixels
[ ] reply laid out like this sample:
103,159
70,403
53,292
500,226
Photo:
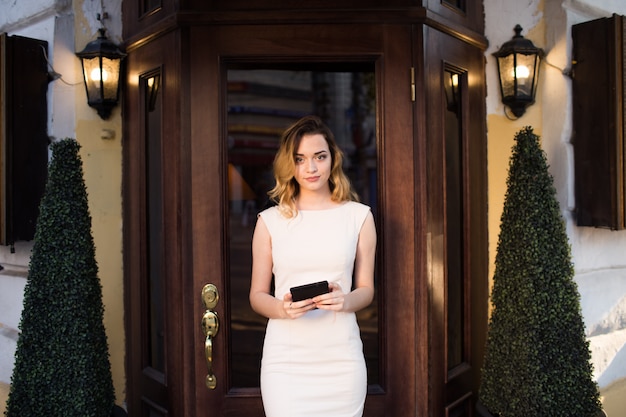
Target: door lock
210,327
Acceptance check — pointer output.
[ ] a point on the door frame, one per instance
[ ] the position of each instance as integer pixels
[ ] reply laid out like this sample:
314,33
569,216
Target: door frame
193,61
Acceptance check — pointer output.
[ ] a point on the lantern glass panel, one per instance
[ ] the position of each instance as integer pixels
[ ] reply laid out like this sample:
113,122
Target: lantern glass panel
525,74
91,67
507,81
110,77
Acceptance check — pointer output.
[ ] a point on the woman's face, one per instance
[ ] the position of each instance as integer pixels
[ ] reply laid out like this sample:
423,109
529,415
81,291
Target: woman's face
313,163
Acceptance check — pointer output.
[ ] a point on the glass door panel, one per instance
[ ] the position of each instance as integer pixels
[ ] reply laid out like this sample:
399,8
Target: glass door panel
261,104
456,293
154,309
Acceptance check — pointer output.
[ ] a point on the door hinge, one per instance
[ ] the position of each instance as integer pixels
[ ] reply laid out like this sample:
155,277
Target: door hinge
412,83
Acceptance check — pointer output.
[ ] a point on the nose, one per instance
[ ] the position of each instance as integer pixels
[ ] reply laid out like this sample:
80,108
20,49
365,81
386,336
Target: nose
312,166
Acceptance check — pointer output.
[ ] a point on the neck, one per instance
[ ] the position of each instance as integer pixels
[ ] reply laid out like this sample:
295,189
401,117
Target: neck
317,200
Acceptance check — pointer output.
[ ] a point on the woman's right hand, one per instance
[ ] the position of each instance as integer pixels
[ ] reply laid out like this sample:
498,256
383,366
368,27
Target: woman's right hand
295,309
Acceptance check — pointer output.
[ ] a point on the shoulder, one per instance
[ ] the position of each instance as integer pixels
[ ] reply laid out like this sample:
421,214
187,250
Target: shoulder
269,213
358,208
274,218
268,210
358,211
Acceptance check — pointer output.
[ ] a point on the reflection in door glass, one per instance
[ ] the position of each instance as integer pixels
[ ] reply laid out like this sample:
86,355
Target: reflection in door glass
455,277
261,104
153,313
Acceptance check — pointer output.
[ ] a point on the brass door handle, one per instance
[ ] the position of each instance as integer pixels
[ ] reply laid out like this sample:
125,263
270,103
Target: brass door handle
210,326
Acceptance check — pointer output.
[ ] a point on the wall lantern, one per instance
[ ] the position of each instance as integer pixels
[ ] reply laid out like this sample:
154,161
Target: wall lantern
101,60
518,69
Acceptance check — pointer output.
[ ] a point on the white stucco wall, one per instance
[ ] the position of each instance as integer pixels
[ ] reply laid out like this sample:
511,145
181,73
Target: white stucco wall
597,254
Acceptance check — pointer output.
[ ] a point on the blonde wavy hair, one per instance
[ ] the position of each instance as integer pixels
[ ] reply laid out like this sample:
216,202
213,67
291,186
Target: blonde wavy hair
287,188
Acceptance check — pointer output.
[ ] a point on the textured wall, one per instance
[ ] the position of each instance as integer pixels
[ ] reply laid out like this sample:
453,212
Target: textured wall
597,254
68,26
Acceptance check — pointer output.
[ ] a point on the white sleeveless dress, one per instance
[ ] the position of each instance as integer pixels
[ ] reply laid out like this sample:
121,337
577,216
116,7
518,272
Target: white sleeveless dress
313,366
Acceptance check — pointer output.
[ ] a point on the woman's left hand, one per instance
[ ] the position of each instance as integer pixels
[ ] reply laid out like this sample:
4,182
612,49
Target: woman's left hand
331,301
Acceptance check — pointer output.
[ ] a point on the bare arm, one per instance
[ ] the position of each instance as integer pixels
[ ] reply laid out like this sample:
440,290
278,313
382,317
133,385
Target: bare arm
363,292
261,300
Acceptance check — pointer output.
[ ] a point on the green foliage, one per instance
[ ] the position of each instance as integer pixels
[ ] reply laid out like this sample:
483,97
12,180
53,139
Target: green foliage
62,364
537,360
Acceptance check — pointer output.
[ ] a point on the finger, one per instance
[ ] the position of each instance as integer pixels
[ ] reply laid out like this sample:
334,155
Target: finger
293,311
296,309
334,286
329,302
303,304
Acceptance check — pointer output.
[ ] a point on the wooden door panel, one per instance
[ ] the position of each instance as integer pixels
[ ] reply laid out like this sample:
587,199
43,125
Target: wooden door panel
458,253
145,257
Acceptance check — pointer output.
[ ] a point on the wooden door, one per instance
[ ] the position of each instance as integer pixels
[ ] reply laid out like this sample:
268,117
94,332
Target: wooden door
381,52
189,206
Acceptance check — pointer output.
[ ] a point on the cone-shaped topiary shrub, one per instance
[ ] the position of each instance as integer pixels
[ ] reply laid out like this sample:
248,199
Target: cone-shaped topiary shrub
62,364
537,360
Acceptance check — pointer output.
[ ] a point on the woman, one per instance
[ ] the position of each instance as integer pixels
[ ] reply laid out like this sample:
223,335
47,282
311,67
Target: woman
313,362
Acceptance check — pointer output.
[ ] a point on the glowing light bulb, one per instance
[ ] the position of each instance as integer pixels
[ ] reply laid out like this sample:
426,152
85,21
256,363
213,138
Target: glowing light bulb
95,75
522,72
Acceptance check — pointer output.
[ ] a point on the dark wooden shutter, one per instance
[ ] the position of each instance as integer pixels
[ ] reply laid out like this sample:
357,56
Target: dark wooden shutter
23,135
599,122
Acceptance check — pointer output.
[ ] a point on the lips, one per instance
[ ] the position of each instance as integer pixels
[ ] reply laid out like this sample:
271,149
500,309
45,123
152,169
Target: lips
312,179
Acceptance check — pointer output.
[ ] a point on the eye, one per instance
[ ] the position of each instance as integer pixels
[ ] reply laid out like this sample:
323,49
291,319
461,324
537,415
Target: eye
298,159
322,157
